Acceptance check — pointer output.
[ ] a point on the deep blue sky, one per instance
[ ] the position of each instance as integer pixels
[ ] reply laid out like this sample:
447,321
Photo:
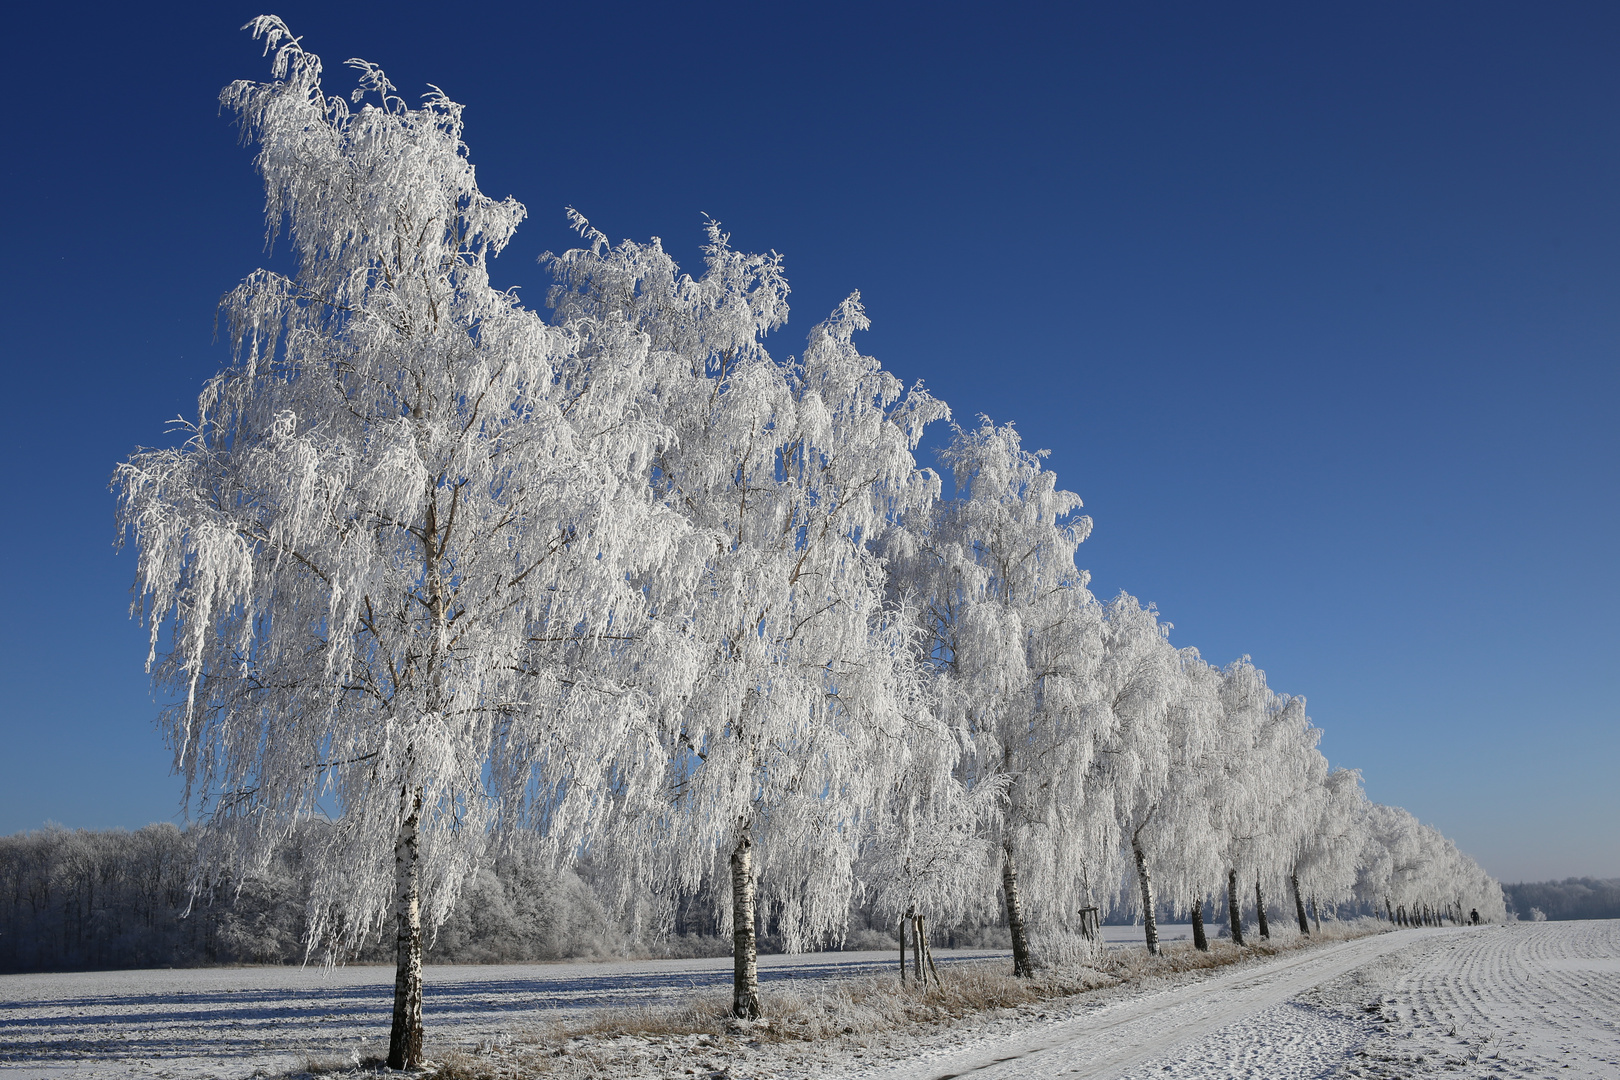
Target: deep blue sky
1315,306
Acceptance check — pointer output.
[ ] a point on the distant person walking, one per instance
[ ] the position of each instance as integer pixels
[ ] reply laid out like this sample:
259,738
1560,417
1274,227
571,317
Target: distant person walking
1473,916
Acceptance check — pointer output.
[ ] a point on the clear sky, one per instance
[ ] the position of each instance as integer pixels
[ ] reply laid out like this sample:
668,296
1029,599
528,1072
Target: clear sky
1314,304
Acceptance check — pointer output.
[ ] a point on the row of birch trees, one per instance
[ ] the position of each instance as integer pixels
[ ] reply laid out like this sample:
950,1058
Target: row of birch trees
435,569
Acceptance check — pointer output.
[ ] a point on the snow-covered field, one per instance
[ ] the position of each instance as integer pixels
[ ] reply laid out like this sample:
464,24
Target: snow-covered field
228,1022
1528,1000
1525,1000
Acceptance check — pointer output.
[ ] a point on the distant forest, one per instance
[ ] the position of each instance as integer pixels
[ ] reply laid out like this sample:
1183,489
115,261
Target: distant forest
1572,898
115,899
88,900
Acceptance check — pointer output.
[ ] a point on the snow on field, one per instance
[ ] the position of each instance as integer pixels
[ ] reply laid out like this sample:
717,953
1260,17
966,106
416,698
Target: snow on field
1238,1019
1523,1000
227,1022
1526,1000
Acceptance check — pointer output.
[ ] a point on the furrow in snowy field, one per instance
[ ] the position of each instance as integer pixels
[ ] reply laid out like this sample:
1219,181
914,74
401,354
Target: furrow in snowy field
1521,1001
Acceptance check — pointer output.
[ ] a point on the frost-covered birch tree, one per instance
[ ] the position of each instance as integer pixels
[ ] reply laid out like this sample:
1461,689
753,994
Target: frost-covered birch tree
805,698
1325,871
1152,769
1292,775
1246,804
928,853
1135,679
1012,635
1382,827
392,574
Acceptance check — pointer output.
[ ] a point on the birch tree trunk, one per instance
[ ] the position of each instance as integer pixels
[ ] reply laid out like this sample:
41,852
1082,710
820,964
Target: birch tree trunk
1316,913
1260,908
1150,925
1200,939
1022,967
1234,906
903,921
744,958
917,951
405,1039
1299,905
927,949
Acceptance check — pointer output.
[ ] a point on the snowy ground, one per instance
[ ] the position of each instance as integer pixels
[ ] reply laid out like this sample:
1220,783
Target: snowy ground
1527,1000
229,1022
1236,1022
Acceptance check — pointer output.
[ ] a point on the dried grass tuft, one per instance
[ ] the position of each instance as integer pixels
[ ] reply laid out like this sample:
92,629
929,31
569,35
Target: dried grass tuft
319,1068
462,1066
707,1014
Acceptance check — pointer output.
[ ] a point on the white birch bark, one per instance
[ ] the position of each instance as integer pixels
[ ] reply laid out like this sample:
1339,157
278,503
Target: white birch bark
405,1036
1023,963
1144,878
744,944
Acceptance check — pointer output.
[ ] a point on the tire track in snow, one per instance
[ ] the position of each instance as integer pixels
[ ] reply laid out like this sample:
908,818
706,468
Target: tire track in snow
1107,1041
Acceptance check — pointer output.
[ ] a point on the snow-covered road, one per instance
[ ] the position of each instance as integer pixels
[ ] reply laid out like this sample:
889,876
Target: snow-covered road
1110,1040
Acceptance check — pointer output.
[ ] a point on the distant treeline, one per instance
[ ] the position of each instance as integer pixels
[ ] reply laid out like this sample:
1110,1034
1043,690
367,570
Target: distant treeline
81,899
1572,898
86,900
